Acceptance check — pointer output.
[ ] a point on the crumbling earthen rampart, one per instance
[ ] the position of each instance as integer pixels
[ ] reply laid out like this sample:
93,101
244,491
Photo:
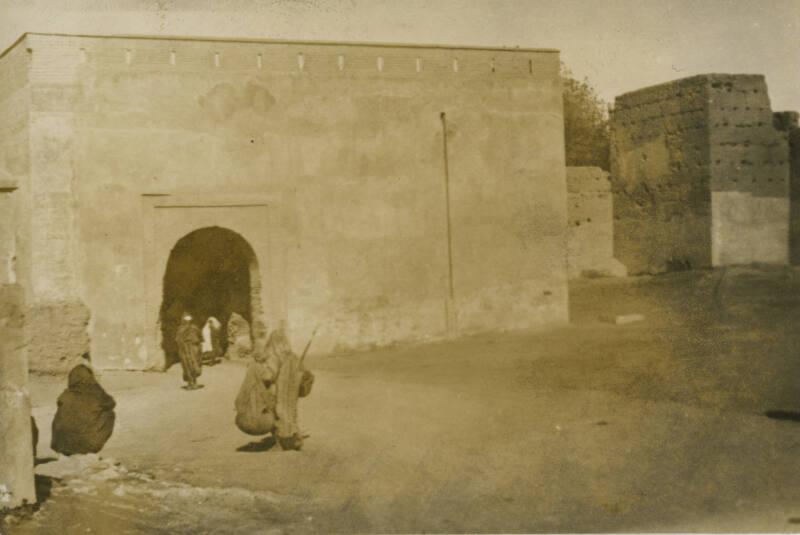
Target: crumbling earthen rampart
787,121
700,175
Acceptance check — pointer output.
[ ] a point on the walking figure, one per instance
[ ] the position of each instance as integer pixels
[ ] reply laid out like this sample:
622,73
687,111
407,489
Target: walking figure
189,339
267,399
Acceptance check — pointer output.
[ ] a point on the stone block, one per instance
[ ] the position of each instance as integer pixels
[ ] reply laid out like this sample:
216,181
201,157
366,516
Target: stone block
623,319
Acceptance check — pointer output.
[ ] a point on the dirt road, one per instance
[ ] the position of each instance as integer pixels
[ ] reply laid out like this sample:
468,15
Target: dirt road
656,425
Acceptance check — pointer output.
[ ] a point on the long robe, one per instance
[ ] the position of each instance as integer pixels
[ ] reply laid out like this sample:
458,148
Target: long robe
189,339
211,348
287,391
85,417
267,399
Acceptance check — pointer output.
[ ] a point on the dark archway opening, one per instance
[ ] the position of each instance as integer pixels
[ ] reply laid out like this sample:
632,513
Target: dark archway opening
210,272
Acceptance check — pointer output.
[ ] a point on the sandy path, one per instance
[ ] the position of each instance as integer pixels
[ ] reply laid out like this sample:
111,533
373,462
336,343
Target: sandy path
656,425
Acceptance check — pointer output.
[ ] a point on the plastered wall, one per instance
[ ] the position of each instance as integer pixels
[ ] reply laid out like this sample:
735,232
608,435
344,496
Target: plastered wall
14,165
16,447
346,143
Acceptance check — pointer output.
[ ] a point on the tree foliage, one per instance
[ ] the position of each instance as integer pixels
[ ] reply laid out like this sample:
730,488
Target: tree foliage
586,125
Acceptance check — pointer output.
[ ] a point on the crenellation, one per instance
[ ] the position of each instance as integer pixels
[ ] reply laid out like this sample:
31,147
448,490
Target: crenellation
312,59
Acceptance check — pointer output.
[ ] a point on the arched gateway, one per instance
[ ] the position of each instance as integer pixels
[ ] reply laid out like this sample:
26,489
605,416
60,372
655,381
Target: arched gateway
209,256
211,271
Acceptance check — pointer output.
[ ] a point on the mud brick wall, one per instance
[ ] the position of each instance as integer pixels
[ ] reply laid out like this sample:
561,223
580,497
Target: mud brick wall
749,173
16,446
660,174
590,223
700,176
788,122
58,336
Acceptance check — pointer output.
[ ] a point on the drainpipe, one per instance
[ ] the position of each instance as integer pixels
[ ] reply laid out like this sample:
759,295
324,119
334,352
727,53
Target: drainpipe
450,311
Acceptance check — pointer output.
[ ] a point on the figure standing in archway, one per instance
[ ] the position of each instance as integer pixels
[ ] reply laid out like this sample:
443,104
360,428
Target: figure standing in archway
189,339
211,347
211,272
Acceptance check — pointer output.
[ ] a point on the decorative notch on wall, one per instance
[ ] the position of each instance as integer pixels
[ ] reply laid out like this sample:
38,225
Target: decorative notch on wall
301,61
128,56
216,59
259,61
455,65
419,64
172,57
379,63
340,62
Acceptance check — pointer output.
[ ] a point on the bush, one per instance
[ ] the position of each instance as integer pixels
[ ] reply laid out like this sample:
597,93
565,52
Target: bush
586,127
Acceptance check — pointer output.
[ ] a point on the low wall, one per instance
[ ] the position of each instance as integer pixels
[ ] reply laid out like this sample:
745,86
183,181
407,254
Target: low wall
590,230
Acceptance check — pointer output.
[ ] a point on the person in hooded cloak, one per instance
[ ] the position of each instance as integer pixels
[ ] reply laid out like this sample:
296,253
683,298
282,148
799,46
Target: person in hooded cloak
267,399
189,339
211,348
85,417
240,344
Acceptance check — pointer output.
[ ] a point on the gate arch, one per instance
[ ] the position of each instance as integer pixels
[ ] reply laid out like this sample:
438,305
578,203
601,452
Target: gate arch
211,271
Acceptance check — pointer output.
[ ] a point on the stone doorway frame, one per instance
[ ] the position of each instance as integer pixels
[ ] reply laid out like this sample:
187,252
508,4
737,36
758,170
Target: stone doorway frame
169,217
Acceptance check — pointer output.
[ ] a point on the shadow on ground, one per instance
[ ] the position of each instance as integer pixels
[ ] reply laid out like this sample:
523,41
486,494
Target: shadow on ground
792,416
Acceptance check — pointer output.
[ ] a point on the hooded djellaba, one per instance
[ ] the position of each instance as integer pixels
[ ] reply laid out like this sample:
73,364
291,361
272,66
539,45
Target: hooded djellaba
85,416
189,340
211,347
267,399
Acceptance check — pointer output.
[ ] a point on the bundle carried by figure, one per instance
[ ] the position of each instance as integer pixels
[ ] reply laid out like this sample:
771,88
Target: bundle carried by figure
267,399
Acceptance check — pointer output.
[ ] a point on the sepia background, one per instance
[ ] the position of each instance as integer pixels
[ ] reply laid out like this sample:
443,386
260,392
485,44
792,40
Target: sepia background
649,386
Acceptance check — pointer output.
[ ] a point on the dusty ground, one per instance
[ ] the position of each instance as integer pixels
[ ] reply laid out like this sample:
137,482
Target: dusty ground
656,425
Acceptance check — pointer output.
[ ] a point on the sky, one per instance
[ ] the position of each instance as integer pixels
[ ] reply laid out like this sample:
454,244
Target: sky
619,45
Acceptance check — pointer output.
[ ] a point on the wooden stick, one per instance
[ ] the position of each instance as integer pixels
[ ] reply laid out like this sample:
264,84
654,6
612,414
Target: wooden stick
308,344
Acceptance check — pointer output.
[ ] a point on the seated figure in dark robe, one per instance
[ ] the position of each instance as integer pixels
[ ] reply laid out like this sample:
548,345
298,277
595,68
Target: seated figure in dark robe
85,417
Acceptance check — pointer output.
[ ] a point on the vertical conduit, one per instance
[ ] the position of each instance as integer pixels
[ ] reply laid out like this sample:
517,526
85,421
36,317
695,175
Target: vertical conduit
450,313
